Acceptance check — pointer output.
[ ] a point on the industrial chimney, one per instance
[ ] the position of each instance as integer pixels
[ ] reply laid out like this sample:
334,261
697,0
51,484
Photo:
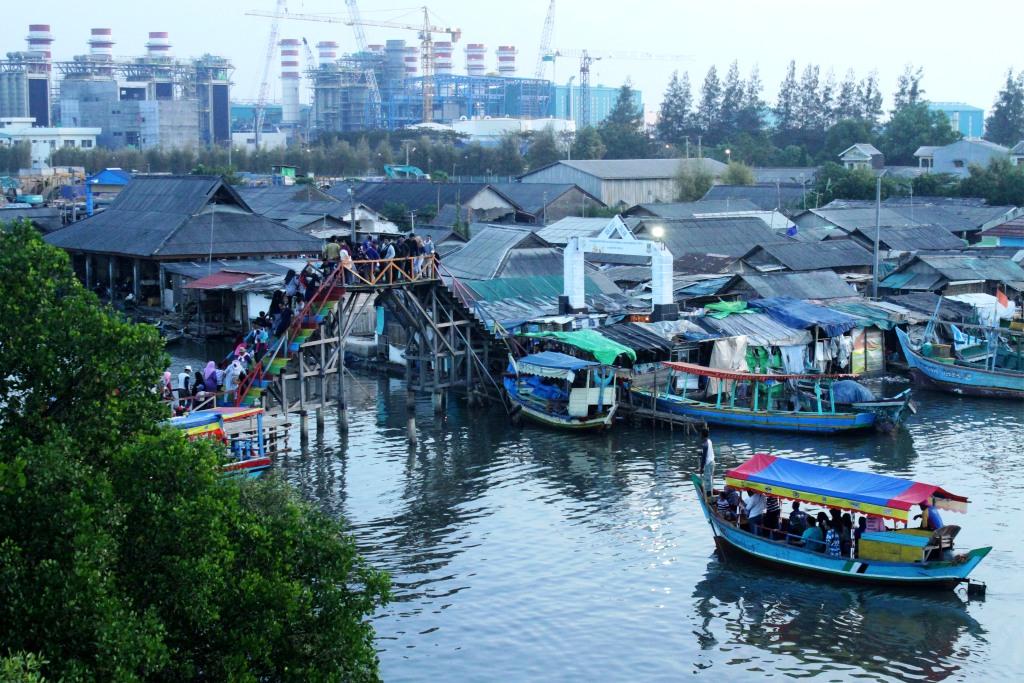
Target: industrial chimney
476,53
158,46
289,81
39,40
101,44
506,60
327,52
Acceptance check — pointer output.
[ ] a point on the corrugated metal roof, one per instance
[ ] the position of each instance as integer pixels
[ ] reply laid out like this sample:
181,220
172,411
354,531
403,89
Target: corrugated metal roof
924,304
814,284
293,204
531,198
922,282
765,196
721,236
1014,228
180,217
956,268
414,195
692,209
483,256
759,328
914,238
560,231
46,219
820,255
218,280
634,169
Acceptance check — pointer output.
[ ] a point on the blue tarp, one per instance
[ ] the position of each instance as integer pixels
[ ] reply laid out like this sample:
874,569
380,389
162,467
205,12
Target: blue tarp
851,391
803,315
554,361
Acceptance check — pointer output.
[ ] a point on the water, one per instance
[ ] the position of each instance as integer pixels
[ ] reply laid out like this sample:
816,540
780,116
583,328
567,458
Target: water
527,554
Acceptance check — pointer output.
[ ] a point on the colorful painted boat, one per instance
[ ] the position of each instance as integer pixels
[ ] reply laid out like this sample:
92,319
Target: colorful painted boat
562,391
775,401
885,557
239,429
960,378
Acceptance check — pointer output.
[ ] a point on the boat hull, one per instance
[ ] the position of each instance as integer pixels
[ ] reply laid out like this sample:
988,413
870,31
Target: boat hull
735,542
960,379
559,421
251,468
779,421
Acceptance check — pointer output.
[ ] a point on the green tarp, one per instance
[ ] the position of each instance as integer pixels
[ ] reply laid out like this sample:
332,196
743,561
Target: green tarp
722,309
601,347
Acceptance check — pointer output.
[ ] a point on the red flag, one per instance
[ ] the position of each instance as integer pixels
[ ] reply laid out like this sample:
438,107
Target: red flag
1001,298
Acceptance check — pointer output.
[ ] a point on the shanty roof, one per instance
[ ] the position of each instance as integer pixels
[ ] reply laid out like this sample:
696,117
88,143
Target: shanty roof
785,174
484,256
956,268
634,169
560,231
861,149
414,195
180,217
721,236
439,234
956,214
284,200
699,208
813,284
821,255
1014,228
911,238
531,198
804,315
45,218
765,196
760,328
924,303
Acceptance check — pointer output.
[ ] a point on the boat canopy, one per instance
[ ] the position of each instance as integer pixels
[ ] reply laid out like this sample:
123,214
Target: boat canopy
718,373
864,492
593,342
200,424
553,364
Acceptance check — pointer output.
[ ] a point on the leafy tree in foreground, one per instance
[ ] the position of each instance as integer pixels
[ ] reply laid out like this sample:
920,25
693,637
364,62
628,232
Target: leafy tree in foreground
692,181
738,173
909,128
1005,125
1000,183
123,554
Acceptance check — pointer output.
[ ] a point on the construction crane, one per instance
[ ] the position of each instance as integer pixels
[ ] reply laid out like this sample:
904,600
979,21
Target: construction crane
545,41
310,65
260,111
587,58
426,32
376,108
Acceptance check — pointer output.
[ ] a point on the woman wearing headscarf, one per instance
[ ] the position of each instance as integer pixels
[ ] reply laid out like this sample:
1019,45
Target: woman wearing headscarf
166,388
210,377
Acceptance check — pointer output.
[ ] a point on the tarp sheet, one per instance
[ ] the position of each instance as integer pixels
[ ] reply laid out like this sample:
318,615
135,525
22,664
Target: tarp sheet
851,391
552,364
804,315
874,494
759,328
603,349
722,309
727,354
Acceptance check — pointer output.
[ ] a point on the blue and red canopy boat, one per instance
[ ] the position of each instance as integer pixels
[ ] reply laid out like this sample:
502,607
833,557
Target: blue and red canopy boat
896,557
239,429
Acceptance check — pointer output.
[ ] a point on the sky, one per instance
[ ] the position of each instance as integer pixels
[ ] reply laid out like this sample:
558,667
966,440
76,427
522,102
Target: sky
964,54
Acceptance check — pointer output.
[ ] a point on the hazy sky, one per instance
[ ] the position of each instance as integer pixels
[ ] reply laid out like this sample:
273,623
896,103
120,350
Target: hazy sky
961,46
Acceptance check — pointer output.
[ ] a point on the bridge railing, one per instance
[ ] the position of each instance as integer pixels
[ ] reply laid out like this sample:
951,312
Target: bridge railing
386,272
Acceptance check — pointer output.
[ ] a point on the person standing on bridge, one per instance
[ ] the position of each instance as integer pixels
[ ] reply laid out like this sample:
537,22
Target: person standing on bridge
332,254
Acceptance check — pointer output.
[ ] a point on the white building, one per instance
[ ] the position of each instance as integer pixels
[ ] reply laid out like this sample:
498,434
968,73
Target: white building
44,141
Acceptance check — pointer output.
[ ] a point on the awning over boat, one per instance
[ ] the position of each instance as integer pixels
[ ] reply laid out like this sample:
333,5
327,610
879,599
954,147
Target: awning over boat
864,492
200,424
601,347
552,364
693,369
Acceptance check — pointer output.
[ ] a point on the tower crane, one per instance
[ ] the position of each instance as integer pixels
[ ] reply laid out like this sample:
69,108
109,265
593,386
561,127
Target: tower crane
376,109
545,41
425,31
310,65
260,111
588,57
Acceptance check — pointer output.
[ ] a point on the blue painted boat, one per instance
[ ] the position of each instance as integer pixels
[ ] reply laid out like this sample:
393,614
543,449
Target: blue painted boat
763,410
958,377
243,439
562,391
912,558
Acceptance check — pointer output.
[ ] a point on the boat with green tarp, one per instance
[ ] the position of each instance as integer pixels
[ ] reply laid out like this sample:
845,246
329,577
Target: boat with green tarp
562,391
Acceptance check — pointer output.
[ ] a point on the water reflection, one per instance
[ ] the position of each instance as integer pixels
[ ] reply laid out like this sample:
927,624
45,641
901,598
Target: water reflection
907,636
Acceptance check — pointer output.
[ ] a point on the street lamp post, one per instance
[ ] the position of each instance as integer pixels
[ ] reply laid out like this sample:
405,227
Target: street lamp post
728,156
878,230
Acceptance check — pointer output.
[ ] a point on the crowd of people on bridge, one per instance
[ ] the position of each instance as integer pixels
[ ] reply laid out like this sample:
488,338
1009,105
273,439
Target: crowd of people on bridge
363,261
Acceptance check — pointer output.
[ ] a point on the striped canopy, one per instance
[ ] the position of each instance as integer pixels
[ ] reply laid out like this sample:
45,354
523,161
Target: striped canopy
867,493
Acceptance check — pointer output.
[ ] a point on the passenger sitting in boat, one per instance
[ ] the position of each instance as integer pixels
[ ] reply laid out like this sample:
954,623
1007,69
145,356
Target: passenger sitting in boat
846,534
797,521
833,539
755,512
857,533
725,508
929,517
812,537
771,515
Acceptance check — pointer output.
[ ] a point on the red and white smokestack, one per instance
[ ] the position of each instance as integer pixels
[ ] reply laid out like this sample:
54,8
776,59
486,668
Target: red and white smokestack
443,58
39,40
476,53
158,46
327,52
290,80
101,44
506,60
412,61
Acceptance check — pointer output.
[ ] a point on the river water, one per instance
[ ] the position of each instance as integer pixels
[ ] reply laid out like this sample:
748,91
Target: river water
527,554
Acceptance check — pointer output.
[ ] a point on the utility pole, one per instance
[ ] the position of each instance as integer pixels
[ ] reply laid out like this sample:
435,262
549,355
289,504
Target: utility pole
687,138
878,230
352,203
700,149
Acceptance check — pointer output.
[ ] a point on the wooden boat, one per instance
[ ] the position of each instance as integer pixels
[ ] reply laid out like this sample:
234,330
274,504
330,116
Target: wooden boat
774,401
901,557
239,429
948,374
562,391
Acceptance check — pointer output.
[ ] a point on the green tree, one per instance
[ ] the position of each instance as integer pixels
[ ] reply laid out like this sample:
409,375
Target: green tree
750,119
1000,183
1005,125
709,109
936,185
909,92
870,100
18,156
622,131
732,102
508,160
675,118
787,105
123,553
847,105
543,149
909,128
692,181
737,173
840,136
835,182
588,144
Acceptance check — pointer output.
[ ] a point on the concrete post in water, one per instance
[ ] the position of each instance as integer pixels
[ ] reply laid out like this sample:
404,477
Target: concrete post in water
438,402
320,419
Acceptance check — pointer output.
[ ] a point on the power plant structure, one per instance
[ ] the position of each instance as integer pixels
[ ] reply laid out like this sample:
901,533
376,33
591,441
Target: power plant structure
342,100
149,102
